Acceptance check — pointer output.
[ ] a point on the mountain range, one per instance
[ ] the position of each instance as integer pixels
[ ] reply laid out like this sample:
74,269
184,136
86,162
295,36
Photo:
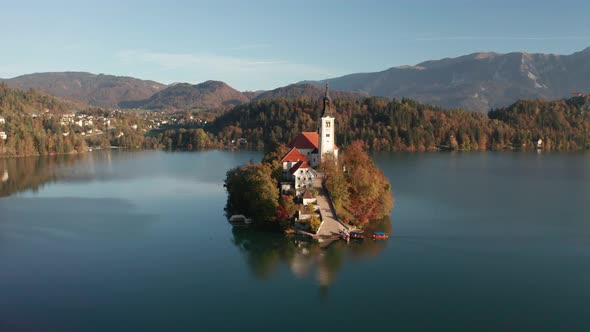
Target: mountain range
97,90
479,82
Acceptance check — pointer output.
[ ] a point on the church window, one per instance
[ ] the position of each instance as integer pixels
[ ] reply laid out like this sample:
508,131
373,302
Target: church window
327,135
328,124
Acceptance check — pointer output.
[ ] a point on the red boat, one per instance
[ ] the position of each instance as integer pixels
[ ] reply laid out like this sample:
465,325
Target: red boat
380,236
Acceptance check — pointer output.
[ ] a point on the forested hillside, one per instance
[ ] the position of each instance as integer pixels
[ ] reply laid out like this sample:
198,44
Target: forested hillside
405,125
31,123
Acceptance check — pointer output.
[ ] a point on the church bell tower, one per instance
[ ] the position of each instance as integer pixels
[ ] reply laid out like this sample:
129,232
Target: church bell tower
327,140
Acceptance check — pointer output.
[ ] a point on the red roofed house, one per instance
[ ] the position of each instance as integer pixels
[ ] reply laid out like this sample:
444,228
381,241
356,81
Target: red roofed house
307,150
291,158
308,143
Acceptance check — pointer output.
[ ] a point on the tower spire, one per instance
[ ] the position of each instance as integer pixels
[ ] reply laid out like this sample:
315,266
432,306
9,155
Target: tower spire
327,101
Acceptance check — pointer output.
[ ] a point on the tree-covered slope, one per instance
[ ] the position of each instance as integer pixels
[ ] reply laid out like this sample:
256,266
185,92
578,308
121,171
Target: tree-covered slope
406,125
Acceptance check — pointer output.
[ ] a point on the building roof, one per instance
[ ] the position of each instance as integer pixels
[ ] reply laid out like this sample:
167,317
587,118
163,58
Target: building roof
307,194
298,166
306,140
293,155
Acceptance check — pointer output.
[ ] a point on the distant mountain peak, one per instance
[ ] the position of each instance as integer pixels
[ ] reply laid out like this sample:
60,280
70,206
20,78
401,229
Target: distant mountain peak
478,81
209,95
485,55
98,90
305,89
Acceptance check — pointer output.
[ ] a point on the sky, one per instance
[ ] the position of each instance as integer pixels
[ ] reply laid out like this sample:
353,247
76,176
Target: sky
253,45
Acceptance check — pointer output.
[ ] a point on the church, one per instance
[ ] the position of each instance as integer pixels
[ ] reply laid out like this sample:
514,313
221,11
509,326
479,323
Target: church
306,152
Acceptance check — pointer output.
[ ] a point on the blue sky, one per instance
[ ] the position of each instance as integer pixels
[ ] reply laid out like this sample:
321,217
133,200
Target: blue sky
265,44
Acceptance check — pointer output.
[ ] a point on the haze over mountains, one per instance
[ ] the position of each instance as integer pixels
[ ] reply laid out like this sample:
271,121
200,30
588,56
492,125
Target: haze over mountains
478,82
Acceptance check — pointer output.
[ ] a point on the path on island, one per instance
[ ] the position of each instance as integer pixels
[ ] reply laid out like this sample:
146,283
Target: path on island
331,227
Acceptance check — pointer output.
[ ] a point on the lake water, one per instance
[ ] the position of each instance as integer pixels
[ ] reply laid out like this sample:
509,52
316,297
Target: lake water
138,241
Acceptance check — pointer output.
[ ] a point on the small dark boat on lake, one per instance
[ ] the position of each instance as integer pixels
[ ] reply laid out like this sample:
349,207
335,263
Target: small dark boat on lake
380,236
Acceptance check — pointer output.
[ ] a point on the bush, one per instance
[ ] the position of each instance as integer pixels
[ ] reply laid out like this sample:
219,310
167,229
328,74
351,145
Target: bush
314,223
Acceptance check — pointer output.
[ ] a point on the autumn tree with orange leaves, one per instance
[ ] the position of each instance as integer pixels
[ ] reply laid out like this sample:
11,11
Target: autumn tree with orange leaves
360,190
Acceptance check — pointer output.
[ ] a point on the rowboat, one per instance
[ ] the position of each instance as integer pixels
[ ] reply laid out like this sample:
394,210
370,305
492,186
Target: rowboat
380,236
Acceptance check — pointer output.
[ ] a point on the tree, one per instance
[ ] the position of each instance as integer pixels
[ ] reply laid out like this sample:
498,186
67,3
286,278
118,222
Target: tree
369,190
252,191
314,223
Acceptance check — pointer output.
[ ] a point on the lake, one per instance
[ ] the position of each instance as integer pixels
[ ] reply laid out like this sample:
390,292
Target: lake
138,241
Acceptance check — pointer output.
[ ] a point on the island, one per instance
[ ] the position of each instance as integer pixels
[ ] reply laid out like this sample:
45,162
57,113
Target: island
309,187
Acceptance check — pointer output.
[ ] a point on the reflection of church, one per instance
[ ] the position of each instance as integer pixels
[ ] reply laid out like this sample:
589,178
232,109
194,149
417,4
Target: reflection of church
265,253
307,151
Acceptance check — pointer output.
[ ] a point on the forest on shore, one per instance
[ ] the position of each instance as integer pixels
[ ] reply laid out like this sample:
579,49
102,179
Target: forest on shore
32,126
406,125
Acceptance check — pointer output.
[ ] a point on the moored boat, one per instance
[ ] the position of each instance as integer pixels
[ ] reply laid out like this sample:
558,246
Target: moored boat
344,235
380,236
359,235
239,219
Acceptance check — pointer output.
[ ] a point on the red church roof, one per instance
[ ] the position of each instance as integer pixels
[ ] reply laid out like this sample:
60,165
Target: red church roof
306,140
294,155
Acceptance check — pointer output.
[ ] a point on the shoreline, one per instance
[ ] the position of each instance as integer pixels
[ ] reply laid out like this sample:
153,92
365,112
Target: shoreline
226,148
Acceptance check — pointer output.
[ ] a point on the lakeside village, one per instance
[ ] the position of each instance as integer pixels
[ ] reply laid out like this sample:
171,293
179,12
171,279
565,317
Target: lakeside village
315,194
100,128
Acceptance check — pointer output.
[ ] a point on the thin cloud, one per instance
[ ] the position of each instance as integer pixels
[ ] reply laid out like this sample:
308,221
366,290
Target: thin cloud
241,71
247,47
184,60
541,38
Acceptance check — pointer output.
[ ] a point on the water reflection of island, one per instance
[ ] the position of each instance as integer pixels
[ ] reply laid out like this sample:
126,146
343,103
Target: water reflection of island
265,252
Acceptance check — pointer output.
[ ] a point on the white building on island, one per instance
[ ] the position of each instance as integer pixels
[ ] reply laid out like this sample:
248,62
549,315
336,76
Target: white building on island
307,150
